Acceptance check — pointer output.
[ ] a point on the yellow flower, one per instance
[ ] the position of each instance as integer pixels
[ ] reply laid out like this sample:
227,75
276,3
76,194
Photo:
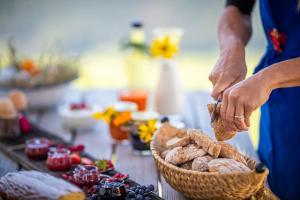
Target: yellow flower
107,115
164,46
147,130
122,118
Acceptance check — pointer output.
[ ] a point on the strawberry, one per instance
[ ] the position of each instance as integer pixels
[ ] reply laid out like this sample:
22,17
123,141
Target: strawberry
75,158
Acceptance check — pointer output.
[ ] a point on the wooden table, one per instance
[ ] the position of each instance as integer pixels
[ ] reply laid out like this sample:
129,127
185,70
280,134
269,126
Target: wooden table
98,143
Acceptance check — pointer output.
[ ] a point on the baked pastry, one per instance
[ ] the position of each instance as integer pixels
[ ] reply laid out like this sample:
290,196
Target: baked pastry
180,155
228,151
34,185
19,100
168,132
201,163
9,125
178,141
226,165
164,153
218,126
205,142
187,165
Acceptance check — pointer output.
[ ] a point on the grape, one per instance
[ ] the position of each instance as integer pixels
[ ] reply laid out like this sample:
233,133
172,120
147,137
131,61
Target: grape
144,187
139,197
151,187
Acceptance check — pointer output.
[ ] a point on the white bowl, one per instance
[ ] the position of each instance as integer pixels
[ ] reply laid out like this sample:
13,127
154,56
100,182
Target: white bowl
43,97
78,118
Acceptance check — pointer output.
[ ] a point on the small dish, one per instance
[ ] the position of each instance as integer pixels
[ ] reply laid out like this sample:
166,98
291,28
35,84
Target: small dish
76,116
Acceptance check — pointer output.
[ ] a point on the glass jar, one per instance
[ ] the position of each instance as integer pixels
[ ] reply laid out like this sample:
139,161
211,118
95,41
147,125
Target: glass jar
59,159
86,175
138,96
139,118
112,189
116,131
37,148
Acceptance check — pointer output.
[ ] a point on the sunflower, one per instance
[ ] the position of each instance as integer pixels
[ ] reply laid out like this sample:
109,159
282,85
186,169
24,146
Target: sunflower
165,47
147,130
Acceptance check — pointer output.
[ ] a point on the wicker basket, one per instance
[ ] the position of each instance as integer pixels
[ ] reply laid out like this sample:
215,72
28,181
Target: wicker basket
208,185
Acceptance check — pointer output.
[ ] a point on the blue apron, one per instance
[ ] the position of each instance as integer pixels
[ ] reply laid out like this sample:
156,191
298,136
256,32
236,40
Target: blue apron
279,142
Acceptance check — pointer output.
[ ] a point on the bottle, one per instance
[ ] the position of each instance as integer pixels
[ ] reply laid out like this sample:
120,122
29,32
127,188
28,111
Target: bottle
136,66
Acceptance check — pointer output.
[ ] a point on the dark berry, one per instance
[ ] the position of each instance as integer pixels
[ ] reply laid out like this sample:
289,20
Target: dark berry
164,119
147,191
94,197
131,194
144,187
141,191
139,197
151,187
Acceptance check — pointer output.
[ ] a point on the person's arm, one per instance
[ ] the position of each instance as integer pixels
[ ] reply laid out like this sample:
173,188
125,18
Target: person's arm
234,32
283,74
247,96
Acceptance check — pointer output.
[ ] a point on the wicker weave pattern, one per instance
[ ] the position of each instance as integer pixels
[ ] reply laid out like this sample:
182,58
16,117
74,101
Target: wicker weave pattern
207,185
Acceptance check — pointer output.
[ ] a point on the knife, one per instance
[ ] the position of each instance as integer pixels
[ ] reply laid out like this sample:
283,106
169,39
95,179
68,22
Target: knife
214,114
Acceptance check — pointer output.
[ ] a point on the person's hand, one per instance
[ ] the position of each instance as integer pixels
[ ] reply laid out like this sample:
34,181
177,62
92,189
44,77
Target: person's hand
240,100
229,70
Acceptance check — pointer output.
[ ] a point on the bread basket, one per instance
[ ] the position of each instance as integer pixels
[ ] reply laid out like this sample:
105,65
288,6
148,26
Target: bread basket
208,185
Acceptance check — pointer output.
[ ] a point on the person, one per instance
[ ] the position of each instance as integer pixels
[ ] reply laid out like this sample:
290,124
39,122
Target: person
274,86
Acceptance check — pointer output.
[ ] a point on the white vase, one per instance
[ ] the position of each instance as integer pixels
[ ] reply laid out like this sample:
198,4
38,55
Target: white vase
169,96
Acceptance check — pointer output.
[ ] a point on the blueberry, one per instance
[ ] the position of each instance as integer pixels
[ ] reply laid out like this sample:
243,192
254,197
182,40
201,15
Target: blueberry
131,194
147,191
144,187
147,198
139,197
141,191
151,187
94,197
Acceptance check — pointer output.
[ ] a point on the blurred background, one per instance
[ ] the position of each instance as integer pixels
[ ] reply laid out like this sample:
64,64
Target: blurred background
93,29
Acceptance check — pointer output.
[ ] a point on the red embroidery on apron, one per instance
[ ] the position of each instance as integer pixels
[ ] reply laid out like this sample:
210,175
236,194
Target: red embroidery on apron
278,40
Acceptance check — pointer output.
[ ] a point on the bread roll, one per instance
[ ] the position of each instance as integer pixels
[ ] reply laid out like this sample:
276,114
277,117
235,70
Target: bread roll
218,126
205,142
180,155
178,141
19,100
201,163
7,109
187,165
226,165
34,185
228,151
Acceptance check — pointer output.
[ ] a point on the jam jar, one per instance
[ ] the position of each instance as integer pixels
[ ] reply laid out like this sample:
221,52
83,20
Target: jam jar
58,159
112,190
37,148
116,132
86,175
139,118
